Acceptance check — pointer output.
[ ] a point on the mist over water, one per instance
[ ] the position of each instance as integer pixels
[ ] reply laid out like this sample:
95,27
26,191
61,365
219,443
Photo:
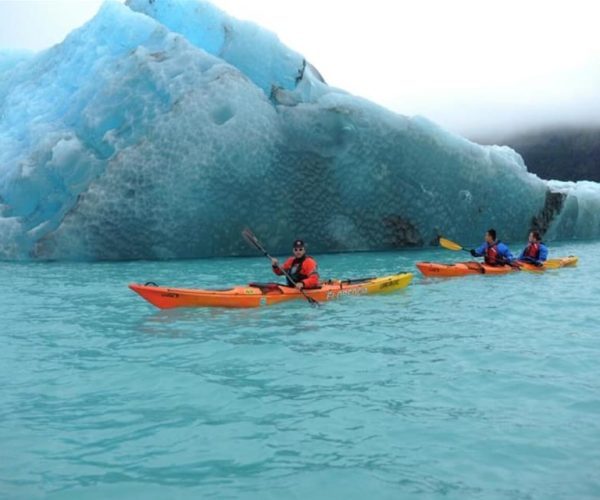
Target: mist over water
535,104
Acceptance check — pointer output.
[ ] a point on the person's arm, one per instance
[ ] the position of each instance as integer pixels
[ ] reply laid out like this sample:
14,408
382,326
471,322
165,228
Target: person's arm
543,253
479,251
504,255
277,268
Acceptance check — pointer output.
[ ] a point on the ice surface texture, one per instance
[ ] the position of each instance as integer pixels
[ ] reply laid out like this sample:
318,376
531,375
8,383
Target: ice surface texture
161,128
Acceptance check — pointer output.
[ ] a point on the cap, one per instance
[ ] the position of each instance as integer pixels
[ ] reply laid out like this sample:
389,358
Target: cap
298,243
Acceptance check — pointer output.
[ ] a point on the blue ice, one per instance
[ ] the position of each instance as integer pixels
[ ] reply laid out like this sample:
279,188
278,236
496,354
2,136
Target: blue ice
160,129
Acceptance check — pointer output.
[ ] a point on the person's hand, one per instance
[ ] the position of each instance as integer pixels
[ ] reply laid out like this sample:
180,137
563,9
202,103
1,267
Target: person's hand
274,262
473,252
299,285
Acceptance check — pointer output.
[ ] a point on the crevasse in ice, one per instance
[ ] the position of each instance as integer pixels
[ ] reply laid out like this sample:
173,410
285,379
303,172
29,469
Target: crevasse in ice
161,128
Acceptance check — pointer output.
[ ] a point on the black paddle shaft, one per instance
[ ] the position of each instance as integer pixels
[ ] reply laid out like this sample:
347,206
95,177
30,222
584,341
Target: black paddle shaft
253,240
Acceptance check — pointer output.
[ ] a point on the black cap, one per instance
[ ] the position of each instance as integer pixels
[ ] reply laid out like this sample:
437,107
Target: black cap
298,243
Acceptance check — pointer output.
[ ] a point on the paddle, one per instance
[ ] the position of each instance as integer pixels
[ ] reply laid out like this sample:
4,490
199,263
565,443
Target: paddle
253,240
450,245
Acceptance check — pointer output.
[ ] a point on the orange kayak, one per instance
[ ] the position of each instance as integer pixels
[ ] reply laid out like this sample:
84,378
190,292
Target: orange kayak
264,294
466,268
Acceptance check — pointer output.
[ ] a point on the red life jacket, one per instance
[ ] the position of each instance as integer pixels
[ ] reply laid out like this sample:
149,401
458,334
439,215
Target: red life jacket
296,268
303,269
491,254
532,250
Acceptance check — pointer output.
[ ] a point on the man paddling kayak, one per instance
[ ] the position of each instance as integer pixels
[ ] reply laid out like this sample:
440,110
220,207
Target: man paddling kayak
495,252
301,267
535,251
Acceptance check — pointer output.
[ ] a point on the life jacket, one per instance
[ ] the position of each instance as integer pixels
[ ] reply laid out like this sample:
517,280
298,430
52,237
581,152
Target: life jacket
295,270
532,251
491,255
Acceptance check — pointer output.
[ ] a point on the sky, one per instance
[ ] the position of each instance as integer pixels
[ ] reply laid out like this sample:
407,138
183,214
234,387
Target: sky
476,67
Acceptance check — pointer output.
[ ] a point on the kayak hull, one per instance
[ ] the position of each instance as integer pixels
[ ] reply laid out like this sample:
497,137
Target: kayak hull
256,295
434,269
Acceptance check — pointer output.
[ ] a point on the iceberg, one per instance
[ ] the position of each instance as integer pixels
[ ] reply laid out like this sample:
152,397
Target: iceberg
11,58
160,129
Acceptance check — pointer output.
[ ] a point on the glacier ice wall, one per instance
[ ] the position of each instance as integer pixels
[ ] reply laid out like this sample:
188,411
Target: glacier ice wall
11,58
161,128
255,52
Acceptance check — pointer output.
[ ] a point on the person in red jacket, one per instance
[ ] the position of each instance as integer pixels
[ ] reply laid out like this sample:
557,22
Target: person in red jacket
301,268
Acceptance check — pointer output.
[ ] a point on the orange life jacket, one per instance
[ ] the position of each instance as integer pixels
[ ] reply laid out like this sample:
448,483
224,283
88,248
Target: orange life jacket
301,269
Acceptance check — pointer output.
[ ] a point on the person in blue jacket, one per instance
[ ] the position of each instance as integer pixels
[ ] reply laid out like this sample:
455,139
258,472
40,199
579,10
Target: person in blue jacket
495,252
535,252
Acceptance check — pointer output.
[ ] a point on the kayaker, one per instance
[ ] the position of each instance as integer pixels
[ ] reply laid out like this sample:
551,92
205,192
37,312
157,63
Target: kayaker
535,252
301,267
495,252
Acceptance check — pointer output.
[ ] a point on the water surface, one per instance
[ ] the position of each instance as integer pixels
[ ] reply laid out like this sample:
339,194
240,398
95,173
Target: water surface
476,387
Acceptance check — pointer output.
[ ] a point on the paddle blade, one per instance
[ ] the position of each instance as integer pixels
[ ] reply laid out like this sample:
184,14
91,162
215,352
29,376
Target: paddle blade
450,245
312,301
251,239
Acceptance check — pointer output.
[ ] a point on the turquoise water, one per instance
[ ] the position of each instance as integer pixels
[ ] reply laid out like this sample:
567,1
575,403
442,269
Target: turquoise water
476,387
